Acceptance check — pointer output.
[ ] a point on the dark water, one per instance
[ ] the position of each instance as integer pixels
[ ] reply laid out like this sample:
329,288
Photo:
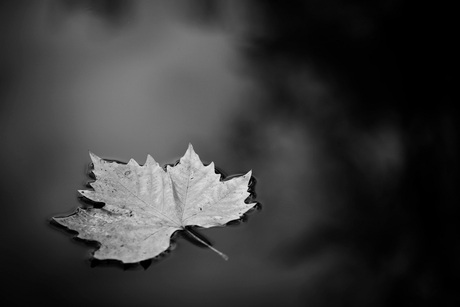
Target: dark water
341,111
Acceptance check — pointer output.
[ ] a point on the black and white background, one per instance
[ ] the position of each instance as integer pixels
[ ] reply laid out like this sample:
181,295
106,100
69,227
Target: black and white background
344,110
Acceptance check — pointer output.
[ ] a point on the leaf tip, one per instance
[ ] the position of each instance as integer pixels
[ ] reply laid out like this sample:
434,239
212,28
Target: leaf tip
150,160
190,150
132,162
190,155
94,157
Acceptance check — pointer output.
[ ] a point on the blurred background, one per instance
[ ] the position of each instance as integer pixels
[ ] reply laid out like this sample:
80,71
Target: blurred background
343,110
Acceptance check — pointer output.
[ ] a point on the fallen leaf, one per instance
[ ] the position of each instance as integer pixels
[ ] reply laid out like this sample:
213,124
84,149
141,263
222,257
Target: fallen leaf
145,205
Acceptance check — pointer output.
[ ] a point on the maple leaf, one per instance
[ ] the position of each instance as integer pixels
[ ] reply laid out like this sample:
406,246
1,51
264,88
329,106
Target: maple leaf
145,205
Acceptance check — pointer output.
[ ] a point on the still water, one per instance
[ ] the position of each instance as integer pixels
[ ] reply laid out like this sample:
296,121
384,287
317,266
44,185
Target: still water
127,79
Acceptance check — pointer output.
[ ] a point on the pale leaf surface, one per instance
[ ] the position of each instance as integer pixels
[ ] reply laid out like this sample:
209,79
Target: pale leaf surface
144,205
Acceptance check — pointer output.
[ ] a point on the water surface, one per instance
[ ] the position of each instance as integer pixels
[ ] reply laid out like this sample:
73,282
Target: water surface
313,98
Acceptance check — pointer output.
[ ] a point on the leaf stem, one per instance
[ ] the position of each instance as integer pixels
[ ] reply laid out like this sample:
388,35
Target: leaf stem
206,244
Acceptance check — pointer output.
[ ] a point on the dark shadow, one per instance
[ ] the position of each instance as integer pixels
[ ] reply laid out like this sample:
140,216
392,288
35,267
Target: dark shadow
344,73
113,12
